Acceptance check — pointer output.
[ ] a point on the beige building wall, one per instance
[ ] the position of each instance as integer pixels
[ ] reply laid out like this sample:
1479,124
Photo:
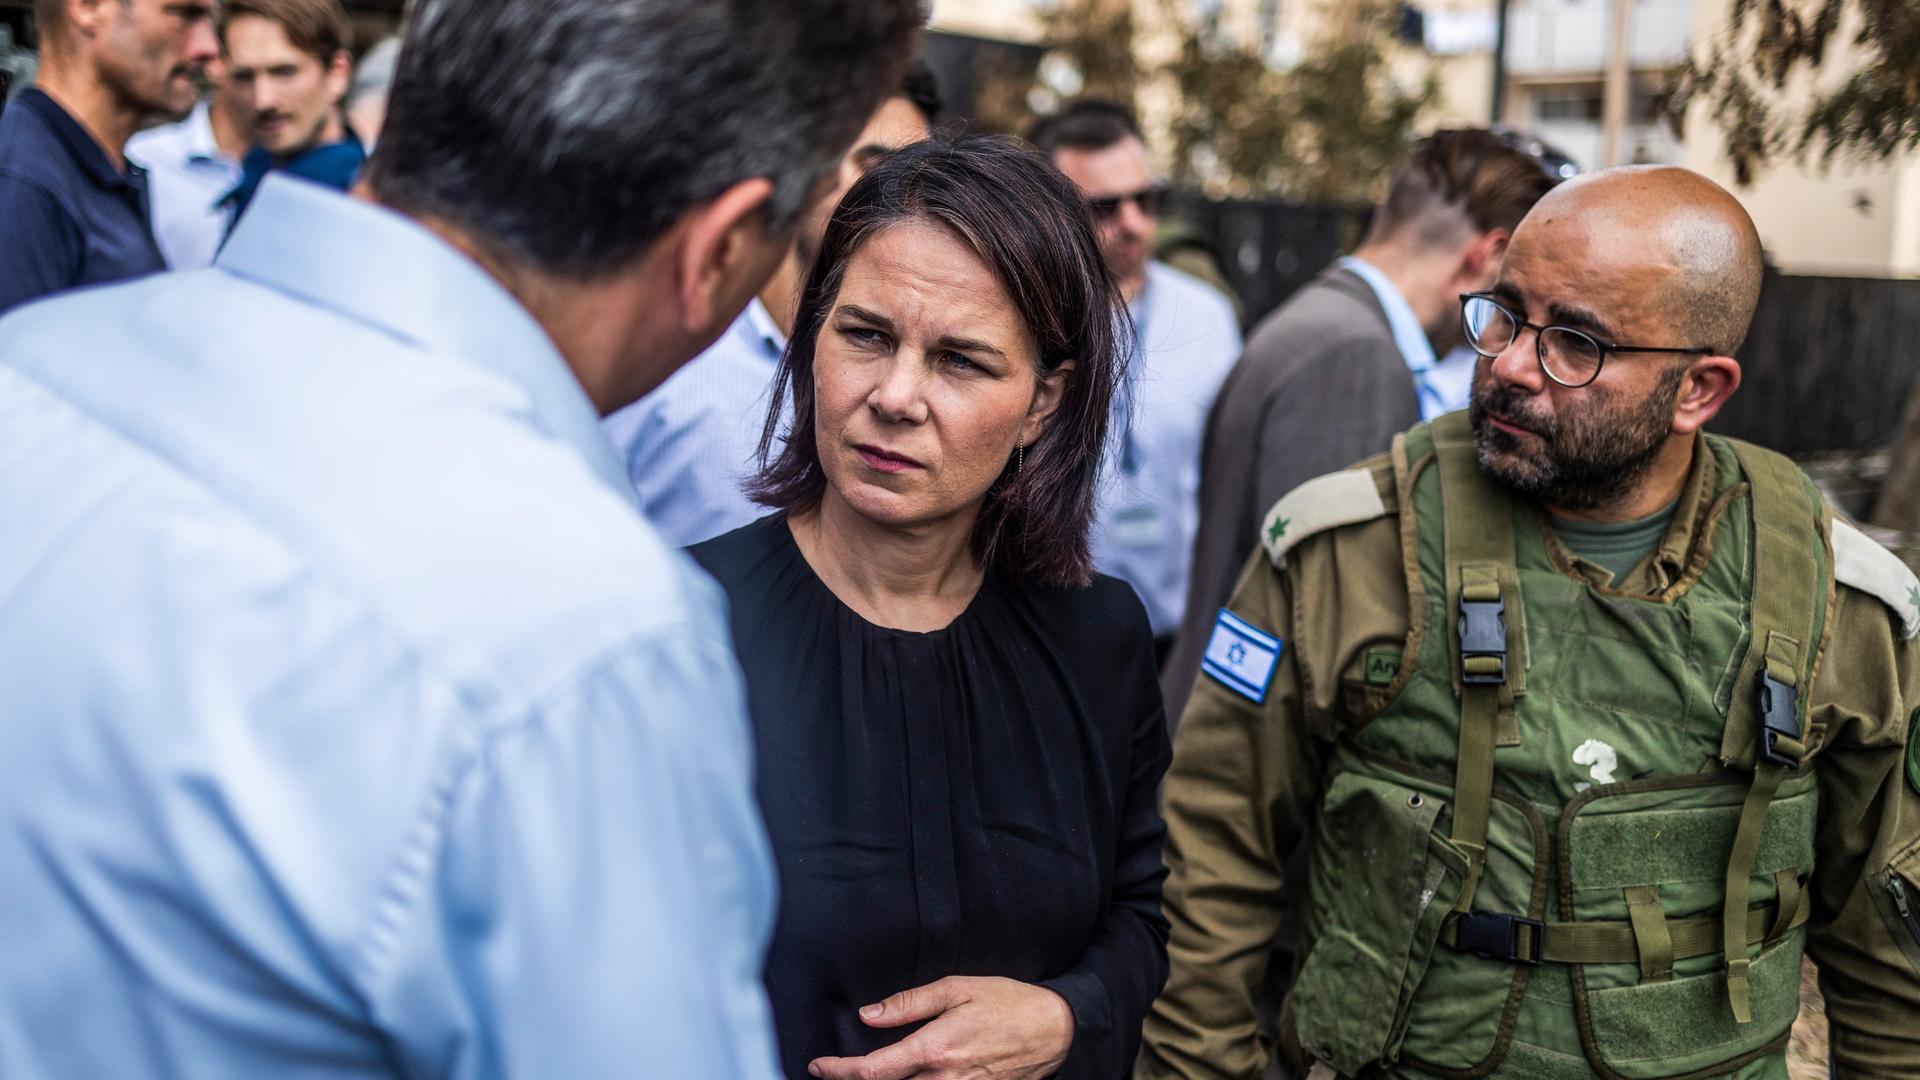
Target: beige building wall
1851,220
1002,20
1854,220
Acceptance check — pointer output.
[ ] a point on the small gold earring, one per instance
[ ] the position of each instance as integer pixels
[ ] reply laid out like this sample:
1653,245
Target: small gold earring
1020,457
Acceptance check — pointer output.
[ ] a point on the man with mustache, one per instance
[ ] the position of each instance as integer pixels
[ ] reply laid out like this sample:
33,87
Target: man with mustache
73,210
289,61
1591,723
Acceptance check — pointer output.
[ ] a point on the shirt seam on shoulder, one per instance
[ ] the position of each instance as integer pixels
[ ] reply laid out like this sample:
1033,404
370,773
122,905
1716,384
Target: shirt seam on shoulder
326,563
28,179
401,888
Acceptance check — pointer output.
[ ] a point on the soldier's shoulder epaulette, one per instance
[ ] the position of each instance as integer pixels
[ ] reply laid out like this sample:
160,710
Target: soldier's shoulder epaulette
1333,501
1860,562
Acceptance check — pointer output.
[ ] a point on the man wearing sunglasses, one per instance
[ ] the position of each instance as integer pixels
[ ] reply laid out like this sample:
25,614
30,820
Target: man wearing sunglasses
1186,339
1589,724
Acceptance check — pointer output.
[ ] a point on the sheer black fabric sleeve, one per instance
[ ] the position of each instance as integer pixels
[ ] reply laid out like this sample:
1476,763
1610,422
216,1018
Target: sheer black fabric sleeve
1125,965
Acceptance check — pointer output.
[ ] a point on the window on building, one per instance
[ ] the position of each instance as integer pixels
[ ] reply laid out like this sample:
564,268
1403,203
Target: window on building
1578,104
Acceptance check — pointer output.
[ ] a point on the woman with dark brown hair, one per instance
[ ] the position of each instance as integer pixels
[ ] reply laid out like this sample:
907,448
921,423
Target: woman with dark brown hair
958,728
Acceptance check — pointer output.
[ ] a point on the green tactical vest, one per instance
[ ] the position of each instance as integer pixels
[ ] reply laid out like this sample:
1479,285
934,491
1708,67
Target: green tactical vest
1523,866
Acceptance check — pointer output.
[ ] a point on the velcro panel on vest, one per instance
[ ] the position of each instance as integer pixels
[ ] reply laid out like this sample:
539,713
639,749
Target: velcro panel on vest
1325,502
1668,843
1674,837
1681,1026
1862,563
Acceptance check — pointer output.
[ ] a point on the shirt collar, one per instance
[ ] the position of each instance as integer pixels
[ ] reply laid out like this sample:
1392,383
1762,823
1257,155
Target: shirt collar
378,267
1690,515
762,332
196,136
1408,335
1144,302
1693,521
87,153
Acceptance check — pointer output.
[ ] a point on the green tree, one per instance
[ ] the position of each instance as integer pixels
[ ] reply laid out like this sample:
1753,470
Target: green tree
1090,53
1742,80
1329,129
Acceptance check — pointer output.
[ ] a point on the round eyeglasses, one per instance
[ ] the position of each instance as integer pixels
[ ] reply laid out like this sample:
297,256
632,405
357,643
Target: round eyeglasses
1569,357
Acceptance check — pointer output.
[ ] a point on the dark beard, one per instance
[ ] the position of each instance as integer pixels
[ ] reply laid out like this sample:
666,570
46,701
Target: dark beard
1590,459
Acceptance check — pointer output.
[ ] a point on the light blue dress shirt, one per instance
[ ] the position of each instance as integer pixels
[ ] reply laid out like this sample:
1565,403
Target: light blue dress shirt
187,174
690,446
1186,341
356,724
1441,390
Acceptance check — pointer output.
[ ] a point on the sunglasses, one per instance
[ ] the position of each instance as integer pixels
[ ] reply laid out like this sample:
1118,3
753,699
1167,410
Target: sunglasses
1148,200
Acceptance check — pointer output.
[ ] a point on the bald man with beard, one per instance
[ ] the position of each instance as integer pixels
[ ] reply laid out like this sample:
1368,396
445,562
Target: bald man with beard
1591,724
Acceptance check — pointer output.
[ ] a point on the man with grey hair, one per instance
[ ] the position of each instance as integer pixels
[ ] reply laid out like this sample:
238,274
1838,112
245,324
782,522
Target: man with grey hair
357,722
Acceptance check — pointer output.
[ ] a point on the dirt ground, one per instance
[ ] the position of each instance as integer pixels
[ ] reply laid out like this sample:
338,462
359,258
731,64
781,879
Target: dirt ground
1807,1053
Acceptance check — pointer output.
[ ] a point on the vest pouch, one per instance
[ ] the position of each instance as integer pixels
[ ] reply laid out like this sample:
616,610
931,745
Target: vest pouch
1672,836
1381,879
1683,1026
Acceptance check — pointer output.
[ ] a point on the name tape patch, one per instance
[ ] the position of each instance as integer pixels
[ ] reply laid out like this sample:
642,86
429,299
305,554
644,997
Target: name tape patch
1241,656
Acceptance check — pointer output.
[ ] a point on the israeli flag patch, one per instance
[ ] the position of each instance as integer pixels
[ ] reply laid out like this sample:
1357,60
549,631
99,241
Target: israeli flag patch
1241,656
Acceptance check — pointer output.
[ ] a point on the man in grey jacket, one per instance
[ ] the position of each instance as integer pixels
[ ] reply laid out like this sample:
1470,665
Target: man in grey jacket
1350,360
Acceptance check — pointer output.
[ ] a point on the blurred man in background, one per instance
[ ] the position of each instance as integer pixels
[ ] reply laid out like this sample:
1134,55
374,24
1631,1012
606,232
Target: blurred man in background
1348,362
357,723
289,60
73,211
1185,341
690,444
191,165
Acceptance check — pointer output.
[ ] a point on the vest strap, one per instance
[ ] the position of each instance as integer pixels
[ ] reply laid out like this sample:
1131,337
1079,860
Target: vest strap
1746,844
1768,728
1650,934
1483,587
1483,671
1792,904
1515,939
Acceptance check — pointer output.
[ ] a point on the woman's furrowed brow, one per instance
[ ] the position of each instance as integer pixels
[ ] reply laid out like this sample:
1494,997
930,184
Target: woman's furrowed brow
871,317
960,344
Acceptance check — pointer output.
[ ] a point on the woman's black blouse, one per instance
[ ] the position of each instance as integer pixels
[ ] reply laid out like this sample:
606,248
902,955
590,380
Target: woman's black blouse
979,800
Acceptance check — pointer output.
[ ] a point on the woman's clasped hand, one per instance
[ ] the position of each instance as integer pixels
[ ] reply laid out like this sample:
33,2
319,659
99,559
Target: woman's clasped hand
975,1027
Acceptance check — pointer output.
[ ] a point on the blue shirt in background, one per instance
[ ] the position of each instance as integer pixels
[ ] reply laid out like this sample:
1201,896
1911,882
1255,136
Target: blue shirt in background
68,216
357,725
336,165
1186,341
690,445
1443,385
187,176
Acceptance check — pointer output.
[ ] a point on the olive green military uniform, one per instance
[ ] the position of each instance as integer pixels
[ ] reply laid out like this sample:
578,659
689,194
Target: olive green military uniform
1533,796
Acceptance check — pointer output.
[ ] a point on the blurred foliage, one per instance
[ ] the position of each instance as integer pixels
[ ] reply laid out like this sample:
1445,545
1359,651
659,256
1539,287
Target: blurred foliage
1742,81
1090,45
1328,129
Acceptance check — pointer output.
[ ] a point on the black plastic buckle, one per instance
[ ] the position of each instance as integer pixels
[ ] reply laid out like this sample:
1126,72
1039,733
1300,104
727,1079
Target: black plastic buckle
1779,718
1483,633
1490,935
